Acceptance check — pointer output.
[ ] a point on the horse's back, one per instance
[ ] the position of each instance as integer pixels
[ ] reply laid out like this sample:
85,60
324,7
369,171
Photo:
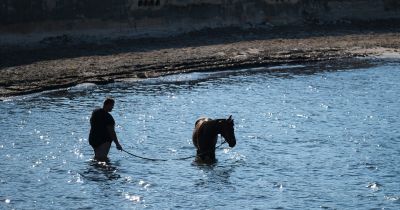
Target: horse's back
200,121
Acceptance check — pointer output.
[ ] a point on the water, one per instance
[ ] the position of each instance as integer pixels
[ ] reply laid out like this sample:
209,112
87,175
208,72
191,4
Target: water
324,139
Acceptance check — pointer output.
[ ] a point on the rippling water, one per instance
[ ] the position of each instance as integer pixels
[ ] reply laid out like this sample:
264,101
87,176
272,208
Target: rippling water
321,139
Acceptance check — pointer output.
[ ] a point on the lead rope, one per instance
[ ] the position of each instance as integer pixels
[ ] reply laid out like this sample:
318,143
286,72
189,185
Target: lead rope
184,158
145,158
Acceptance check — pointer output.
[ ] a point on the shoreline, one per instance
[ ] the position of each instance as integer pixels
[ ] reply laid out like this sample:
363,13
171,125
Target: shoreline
62,62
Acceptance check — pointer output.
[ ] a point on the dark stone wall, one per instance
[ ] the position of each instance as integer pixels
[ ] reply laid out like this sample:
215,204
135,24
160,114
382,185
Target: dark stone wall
28,11
24,11
21,17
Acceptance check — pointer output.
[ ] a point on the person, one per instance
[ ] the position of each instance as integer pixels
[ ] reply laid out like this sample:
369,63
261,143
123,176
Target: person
102,131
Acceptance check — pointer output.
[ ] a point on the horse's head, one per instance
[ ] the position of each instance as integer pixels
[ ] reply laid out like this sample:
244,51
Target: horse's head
227,131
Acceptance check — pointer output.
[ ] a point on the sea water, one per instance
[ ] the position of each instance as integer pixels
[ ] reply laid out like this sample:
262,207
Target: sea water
307,138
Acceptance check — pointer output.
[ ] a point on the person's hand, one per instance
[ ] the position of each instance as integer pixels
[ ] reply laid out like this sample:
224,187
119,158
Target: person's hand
119,147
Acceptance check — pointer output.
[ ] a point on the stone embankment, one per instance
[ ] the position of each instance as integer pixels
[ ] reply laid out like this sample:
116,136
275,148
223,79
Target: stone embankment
48,44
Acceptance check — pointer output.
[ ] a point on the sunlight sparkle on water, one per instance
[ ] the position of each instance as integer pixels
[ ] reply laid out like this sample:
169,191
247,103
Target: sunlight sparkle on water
304,141
133,198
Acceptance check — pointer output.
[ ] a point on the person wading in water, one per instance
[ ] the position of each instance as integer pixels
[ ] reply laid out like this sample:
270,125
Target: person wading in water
102,131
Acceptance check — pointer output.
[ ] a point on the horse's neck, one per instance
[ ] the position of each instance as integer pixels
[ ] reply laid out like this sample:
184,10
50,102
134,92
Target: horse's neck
212,127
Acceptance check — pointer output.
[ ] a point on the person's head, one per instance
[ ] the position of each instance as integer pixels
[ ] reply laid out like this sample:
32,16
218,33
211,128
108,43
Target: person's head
108,104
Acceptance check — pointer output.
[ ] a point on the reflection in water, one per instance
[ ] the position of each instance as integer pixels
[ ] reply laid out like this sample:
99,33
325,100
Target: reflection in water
100,171
214,176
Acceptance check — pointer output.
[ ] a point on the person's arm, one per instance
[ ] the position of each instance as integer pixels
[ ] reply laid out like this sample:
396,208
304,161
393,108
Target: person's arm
111,131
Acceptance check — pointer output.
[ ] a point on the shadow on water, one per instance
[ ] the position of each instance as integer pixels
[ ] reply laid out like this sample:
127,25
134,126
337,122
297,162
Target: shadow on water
188,81
177,82
101,171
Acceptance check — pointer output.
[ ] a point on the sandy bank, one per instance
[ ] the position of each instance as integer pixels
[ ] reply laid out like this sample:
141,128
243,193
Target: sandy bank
62,62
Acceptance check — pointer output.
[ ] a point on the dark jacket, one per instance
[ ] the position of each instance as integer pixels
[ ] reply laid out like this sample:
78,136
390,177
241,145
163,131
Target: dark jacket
99,121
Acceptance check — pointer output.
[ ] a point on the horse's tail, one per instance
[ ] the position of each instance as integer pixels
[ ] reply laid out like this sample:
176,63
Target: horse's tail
195,137
196,131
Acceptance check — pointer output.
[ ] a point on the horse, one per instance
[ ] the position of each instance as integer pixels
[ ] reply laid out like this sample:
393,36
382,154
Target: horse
205,137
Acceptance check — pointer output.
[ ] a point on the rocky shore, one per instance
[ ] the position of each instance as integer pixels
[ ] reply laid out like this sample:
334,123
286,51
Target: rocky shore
64,61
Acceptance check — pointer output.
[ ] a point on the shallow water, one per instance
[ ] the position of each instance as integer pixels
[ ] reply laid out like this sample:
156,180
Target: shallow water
324,139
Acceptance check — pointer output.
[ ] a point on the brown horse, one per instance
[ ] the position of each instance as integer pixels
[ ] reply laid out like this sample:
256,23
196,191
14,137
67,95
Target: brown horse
205,137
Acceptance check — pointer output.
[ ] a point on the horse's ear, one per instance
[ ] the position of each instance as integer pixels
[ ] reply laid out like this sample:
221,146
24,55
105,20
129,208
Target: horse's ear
230,118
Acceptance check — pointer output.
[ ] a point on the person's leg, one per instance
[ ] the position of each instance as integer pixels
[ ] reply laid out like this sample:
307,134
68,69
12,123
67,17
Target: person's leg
101,152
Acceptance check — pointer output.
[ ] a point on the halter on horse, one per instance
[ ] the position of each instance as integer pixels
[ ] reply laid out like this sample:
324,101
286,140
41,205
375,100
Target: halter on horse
205,137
